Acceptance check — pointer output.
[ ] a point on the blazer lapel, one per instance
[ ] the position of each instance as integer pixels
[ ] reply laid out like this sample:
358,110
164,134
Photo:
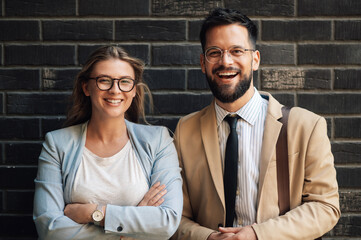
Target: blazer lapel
211,146
271,132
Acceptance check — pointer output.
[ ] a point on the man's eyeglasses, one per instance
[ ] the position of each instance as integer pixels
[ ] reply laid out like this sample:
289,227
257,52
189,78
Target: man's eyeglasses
105,83
215,54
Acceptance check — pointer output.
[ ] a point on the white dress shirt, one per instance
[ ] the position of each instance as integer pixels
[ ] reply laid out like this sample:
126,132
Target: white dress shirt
250,129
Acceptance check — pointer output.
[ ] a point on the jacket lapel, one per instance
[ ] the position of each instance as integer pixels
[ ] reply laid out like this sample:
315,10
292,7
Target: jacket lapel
211,146
270,136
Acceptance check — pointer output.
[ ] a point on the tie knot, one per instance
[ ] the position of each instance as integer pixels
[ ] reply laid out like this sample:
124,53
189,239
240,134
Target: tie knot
232,120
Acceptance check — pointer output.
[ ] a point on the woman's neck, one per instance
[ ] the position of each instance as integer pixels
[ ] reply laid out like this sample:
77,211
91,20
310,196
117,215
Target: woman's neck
106,130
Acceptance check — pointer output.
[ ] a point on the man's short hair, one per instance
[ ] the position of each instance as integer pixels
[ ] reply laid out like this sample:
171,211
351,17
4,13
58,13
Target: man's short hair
224,16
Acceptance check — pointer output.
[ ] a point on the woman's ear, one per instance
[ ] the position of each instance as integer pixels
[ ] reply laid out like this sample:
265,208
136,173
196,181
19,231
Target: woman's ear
84,86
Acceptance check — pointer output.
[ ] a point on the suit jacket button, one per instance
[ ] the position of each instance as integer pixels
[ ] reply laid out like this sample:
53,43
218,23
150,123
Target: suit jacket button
120,228
220,225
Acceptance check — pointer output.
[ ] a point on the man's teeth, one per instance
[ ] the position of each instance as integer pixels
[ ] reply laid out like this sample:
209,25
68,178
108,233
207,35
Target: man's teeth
227,74
113,101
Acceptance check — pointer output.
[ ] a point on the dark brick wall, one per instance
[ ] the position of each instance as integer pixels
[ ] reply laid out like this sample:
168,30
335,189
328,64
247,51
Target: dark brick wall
310,57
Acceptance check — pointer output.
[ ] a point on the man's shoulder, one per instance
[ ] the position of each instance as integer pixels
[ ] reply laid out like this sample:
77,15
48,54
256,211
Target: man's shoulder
194,118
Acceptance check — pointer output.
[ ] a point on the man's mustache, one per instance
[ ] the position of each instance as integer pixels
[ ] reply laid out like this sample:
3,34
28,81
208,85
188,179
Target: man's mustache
223,68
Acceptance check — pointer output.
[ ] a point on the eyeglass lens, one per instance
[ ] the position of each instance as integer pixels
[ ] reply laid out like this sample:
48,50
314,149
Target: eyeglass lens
106,83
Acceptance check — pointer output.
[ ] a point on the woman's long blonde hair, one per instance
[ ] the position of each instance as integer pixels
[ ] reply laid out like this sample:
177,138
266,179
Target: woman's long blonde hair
81,109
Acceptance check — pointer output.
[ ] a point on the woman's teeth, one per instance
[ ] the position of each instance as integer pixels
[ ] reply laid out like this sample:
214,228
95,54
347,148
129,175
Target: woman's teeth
113,101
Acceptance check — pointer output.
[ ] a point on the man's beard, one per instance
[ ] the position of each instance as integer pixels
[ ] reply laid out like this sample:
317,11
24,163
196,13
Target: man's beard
222,92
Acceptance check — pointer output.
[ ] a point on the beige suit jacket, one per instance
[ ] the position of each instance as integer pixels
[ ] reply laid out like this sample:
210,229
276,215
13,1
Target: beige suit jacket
313,186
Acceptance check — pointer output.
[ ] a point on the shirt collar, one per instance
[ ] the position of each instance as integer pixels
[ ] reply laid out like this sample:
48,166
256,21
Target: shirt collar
248,112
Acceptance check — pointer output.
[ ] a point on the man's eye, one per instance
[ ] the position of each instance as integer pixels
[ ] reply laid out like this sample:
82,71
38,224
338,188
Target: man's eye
237,51
214,53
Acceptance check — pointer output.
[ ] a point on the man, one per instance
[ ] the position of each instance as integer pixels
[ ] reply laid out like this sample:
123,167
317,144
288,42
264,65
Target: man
228,60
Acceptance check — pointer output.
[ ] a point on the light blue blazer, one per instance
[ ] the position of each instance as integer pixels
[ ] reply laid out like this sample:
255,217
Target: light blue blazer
58,164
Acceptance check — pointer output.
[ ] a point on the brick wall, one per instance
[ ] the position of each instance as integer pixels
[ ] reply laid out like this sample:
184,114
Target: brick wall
310,57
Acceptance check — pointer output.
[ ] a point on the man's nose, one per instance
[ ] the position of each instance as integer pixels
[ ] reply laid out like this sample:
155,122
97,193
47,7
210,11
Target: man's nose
227,58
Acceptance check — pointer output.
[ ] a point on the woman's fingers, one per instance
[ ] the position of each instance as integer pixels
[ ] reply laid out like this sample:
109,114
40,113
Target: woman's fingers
154,195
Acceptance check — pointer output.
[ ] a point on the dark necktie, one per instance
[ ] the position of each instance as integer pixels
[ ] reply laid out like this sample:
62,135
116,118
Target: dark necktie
230,170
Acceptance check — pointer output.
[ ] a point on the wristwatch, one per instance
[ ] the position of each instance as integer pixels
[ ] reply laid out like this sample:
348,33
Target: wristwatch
98,215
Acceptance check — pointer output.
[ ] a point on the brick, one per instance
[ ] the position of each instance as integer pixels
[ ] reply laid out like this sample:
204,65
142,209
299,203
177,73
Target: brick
262,8
329,8
348,127
16,79
348,177
180,103
39,55
296,30
347,152
350,201
348,226
184,7
59,79
10,226
78,30
324,103
113,8
51,124
22,153
295,78
162,79
1,202
17,177
194,28
25,30
138,51
39,8
277,54
287,99
150,30
341,54
176,55
19,128
348,30
19,201
37,103
169,122
347,79
1,103
197,80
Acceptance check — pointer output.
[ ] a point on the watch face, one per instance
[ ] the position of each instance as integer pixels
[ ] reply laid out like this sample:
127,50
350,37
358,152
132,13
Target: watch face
97,216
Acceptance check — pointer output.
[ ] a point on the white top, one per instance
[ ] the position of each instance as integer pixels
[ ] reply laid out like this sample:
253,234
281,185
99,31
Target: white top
117,180
250,128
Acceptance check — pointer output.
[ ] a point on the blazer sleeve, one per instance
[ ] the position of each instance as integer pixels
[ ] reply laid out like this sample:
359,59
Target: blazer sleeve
188,229
148,222
319,211
48,213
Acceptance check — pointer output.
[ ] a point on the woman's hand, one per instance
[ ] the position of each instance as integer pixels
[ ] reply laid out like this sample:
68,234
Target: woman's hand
154,196
79,212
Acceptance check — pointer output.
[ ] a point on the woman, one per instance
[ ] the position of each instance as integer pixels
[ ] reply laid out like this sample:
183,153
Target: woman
94,173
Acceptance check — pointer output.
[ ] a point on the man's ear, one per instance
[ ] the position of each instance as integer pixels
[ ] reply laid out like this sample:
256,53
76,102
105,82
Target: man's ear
202,59
256,60
84,86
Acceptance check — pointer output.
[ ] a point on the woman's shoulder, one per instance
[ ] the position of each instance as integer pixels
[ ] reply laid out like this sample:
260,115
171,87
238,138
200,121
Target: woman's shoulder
143,129
70,132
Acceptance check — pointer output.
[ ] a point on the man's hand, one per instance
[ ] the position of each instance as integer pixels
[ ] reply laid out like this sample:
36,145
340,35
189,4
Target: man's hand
240,233
80,213
219,235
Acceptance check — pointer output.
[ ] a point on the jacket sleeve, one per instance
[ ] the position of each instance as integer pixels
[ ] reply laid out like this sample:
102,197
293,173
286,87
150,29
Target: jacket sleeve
48,214
319,211
188,229
153,222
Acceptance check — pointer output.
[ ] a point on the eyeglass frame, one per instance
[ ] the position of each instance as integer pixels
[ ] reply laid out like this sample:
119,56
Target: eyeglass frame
227,50
113,79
